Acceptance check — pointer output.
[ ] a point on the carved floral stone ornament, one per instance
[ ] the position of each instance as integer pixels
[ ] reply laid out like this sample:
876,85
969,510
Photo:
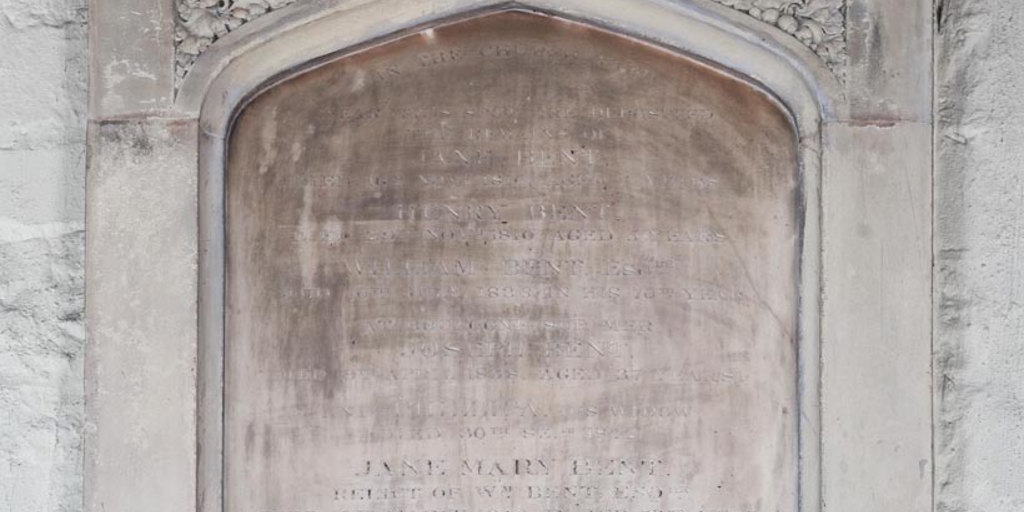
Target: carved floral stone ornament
818,24
201,22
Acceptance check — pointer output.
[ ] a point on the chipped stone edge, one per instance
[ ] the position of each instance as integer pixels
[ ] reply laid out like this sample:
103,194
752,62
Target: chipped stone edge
818,24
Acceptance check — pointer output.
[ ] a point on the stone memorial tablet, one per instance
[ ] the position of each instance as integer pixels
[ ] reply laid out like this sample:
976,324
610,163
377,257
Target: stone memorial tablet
512,264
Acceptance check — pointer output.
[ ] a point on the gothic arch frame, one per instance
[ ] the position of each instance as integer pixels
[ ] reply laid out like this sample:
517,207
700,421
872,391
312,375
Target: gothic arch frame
296,38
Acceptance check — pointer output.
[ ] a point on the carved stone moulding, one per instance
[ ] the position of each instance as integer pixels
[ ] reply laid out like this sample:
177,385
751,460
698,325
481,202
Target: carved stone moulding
818,24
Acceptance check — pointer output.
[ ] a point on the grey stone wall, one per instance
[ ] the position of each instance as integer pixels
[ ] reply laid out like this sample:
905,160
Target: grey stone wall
42,170
979,268
979,301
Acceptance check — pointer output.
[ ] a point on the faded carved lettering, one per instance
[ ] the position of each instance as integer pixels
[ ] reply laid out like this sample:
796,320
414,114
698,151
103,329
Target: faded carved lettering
518,265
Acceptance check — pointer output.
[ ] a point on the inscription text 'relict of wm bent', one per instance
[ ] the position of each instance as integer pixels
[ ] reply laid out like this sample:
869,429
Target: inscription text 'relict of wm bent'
512,264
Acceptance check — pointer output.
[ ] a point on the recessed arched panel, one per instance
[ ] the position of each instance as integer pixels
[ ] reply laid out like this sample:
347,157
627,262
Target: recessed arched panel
517,264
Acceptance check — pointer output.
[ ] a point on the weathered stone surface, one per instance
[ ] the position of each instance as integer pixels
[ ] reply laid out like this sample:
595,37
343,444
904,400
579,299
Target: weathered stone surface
42,170
876,319
890,65
979,250
140,437
512,264
132,69
41,339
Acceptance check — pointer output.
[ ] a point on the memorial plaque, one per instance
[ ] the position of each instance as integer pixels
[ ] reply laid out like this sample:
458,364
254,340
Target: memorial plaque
513,264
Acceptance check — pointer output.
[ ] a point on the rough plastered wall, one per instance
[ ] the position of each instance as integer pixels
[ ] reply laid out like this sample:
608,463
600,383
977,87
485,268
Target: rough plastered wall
980,257
42,170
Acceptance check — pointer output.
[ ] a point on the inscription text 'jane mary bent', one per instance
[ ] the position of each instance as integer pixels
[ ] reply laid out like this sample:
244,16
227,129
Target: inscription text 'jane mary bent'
514,264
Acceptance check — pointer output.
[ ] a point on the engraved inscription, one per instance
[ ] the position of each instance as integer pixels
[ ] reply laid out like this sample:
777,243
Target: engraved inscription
512,264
